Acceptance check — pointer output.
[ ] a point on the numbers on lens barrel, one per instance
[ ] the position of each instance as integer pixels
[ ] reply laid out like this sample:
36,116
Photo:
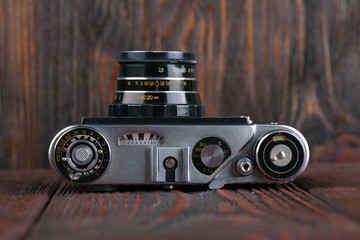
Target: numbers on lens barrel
140,138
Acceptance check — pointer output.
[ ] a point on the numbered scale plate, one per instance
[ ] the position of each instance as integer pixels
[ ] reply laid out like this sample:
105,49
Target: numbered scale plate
82,155
209,153
140,138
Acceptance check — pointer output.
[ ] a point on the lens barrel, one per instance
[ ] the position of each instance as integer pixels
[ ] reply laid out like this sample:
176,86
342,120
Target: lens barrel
156,84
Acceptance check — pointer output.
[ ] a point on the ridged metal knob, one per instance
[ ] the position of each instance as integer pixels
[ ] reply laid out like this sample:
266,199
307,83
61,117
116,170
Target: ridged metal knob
212,156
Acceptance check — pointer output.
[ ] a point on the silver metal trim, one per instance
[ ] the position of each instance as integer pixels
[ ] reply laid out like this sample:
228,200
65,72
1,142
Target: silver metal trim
154,164
155,78
186,164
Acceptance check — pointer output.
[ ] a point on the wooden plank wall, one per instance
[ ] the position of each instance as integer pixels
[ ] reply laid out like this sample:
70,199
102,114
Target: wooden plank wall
294,62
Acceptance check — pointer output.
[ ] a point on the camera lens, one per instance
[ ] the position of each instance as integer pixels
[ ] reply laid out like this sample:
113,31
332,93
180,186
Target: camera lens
156,84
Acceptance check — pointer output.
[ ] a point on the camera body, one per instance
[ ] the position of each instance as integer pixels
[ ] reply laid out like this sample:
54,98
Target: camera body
168,142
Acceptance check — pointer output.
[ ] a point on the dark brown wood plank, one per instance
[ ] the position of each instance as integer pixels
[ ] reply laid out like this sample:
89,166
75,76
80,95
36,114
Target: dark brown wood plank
336,184
296,210
24,195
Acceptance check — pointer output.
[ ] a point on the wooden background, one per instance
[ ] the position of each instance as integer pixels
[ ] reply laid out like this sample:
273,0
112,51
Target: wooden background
294,62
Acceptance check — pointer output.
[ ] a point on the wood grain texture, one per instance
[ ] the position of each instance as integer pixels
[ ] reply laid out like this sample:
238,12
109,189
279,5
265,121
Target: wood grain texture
322,204
293,62
336,184
24,196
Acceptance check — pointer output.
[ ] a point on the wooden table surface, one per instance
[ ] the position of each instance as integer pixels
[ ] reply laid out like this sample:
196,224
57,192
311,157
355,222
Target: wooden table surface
323,203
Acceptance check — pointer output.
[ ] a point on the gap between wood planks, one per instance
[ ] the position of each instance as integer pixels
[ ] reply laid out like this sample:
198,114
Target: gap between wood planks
41,212
321,194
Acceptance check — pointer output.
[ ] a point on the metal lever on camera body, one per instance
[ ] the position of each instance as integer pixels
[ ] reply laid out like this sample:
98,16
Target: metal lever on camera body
170,164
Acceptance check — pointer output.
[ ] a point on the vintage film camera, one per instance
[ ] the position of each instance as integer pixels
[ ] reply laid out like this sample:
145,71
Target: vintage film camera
157,134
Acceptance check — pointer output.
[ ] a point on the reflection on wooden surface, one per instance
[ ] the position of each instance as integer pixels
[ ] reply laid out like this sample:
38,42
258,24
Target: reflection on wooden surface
322,204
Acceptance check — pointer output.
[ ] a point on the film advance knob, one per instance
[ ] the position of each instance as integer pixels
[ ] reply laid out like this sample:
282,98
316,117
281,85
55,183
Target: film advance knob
212,156
82,154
